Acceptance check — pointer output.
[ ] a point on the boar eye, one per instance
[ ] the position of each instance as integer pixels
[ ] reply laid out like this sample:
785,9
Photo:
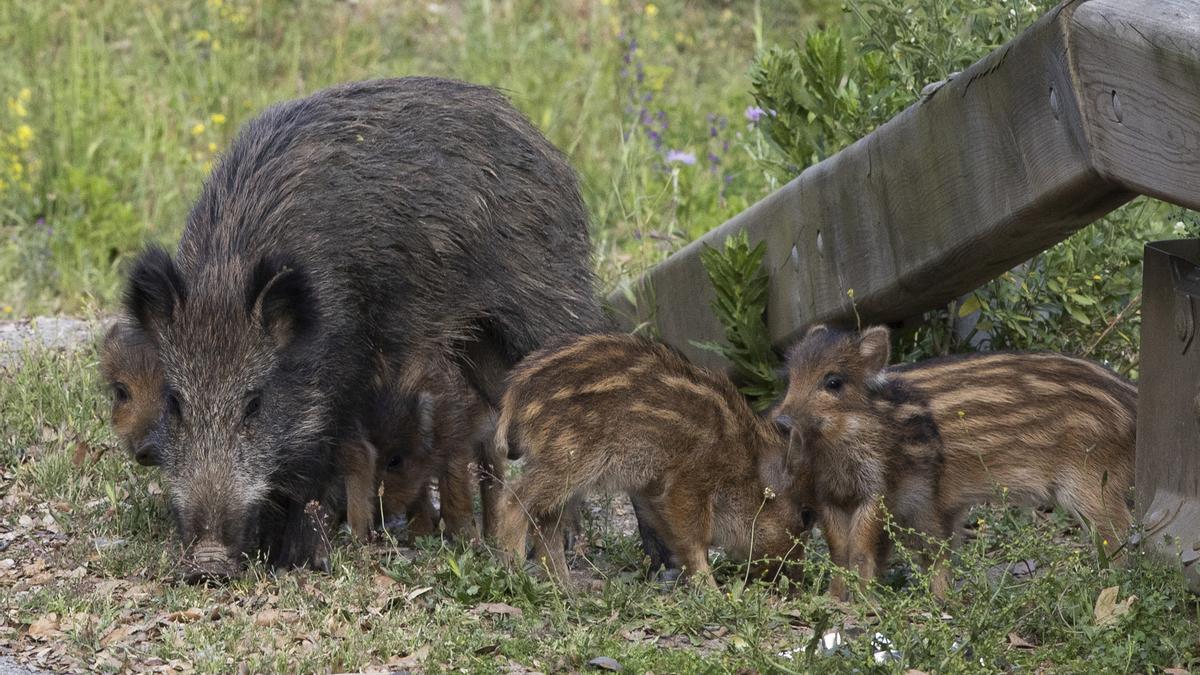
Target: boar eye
173,405
120,392
834,383
253,405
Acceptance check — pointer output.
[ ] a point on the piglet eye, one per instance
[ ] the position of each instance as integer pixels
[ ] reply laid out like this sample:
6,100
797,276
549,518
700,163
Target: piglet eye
784,424
834,383
120,392
253,405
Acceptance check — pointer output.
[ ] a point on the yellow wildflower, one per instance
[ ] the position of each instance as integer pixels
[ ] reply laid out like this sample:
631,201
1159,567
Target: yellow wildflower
216,45
16,108
8,309
198,129
202,36
1097,277
24,135
216,4
217,119
207,166
651,10
15,170
25,94
212,147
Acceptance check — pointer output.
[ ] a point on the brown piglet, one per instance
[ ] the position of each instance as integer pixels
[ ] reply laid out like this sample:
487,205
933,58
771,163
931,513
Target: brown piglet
623,414
436,429
929,440
130,367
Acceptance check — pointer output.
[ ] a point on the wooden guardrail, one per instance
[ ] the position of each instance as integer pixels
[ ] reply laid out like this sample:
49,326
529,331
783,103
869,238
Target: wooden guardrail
1095,103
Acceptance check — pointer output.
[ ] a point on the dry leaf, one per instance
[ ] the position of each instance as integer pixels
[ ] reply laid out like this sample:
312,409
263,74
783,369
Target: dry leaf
413,660
118,634
270,617
80,455
1017,642
1108,610
497,608
186,616
44,627
417,592
384,581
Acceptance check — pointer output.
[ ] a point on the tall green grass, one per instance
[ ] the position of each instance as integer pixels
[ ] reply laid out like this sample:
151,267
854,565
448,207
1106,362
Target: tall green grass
118,108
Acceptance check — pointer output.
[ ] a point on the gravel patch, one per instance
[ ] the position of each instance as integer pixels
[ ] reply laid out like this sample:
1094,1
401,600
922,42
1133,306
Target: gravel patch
44,332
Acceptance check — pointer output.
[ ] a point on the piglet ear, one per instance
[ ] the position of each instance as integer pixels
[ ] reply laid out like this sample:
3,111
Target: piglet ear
281,298
875,348
815,329
155,291
774,474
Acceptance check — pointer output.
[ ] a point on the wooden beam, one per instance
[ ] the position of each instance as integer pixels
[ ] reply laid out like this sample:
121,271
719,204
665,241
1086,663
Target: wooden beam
998,163
1137,68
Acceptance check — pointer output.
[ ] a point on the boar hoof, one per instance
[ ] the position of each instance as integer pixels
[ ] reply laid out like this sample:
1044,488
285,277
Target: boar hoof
666,577
321,564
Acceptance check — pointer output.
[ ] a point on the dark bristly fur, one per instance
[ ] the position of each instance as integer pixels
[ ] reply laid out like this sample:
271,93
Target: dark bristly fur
940,436
620,413
389,220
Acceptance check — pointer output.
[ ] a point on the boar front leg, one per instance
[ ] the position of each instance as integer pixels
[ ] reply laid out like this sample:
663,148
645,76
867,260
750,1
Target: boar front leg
548,539
422,517
854,541
454,486
359,458
685,521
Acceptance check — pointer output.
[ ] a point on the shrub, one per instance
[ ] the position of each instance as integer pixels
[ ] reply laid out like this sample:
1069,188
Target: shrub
842,81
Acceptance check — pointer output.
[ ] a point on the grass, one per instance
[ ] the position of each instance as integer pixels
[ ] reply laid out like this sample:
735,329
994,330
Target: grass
113,112
116,110
89,568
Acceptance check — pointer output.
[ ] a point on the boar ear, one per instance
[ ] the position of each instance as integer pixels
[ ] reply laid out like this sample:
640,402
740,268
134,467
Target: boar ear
875,348
281,297
155,290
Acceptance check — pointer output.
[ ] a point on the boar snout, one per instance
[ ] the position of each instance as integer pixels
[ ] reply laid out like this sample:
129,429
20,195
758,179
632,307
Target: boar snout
210,562
147,454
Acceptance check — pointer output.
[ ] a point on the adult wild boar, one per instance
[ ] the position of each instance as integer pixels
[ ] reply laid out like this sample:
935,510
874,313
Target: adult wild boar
382,222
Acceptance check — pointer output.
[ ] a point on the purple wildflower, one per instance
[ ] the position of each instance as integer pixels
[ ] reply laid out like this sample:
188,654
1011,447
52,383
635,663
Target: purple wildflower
754,113
681,156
